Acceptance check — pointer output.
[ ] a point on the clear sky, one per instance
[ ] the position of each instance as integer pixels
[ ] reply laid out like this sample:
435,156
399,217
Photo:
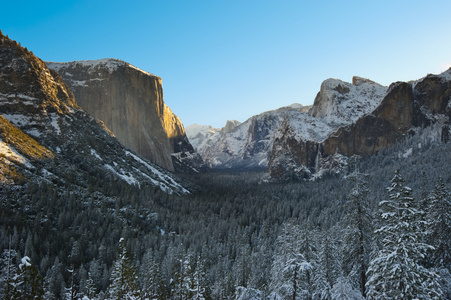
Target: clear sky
232,59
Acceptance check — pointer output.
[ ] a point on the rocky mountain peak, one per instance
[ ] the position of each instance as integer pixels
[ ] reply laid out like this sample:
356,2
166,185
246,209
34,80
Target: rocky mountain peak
339,102
357,80
26,79
230,126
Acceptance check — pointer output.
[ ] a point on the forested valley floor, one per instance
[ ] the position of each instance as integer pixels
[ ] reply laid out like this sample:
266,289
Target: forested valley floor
379,232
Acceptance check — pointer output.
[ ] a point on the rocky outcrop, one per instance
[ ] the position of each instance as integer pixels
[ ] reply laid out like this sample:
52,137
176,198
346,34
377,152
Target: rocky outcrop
46,137
405,106
130,103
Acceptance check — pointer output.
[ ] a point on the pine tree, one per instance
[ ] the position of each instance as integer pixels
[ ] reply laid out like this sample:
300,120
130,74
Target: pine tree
308,250
343,290
70,291
439,221
8,273
396,272
123,277
182,285
27,283
326,270
200,288
90,289
358,233
290,265
149,274
53,281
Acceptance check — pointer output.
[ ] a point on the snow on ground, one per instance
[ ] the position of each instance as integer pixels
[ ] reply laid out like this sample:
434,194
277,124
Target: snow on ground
127,177
12,155
93,152
33,132
198,135
165,179
309,128
108,63
55,124
24,98
19,119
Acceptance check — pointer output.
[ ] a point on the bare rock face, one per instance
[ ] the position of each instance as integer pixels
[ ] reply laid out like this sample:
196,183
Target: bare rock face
130,103
404,107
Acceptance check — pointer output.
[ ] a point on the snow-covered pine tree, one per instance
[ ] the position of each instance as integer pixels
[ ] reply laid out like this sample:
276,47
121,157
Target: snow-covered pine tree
200,289
8,273
395,271
327,267
71,293
185,281
343,290
289,265
53,281
90,289
27,283
308,248
439,221
358,230
123,279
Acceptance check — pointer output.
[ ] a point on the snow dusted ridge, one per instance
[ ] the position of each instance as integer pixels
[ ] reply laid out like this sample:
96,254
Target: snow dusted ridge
240,145
338,104
446,75
165,182
198,135
111,64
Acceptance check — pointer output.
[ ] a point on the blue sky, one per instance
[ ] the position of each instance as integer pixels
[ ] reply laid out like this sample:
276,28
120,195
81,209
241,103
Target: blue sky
223,60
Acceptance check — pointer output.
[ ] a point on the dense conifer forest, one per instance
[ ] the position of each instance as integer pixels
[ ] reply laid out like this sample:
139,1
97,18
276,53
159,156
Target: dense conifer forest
378,231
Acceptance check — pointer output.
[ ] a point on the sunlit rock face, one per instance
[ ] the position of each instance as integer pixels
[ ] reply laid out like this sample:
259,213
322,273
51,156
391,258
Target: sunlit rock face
130,103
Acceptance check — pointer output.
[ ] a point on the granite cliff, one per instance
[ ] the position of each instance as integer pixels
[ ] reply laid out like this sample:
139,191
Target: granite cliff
130,103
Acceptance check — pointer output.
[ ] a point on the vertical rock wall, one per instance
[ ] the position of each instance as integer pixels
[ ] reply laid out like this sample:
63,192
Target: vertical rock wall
130,103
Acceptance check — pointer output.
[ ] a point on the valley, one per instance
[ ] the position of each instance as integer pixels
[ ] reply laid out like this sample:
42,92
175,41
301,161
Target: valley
105,196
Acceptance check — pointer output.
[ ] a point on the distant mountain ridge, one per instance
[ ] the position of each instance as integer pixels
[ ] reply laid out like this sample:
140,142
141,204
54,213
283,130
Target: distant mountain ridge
250,144
239,145
130,103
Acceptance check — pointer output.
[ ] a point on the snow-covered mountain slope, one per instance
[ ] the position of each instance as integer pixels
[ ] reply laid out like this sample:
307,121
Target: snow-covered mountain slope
198,135
240,145
249,145
46,136
130,103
